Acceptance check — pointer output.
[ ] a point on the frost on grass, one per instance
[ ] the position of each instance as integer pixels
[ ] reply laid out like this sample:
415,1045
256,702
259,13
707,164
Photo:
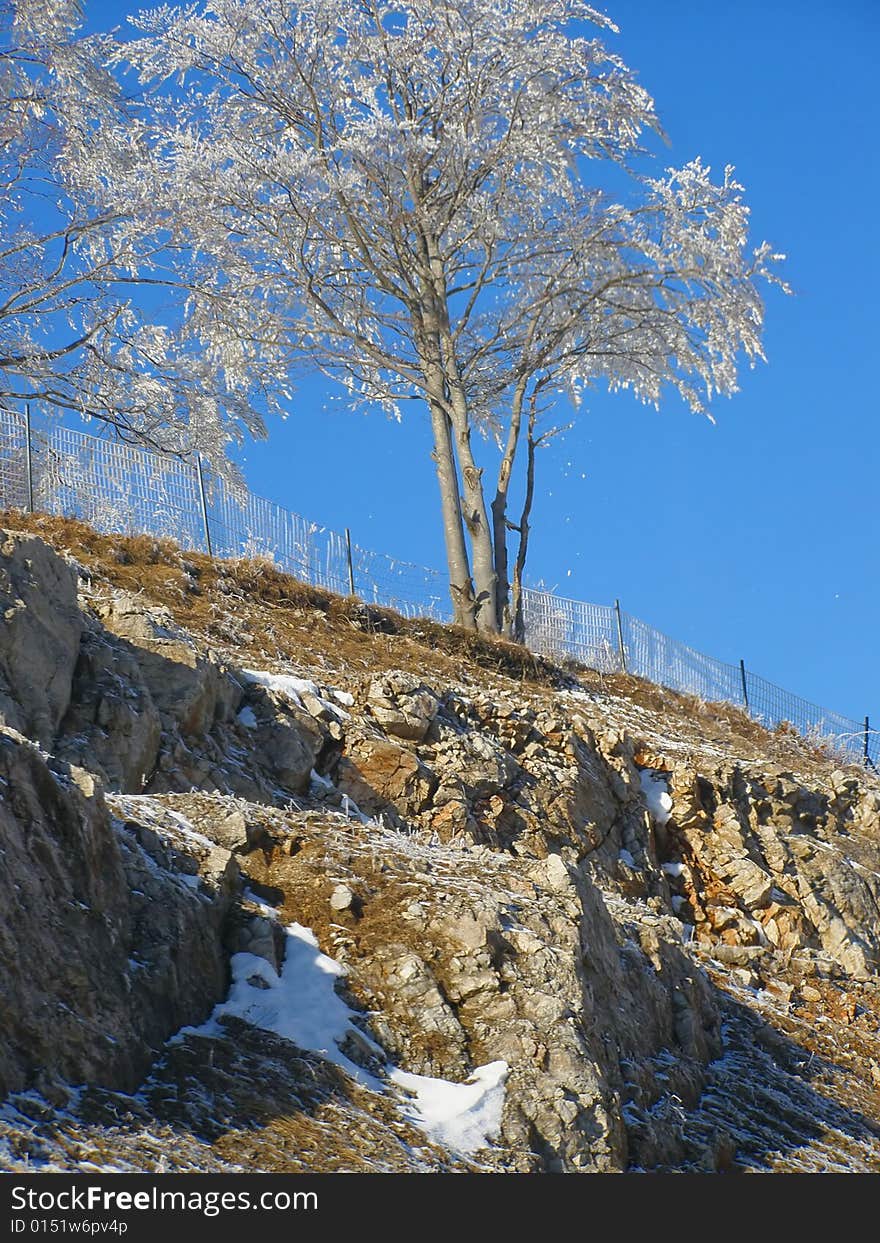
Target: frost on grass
301,1005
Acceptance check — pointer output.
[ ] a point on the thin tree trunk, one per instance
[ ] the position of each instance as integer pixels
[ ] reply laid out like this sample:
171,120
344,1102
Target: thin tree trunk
499,513
473,501
461,588
516,591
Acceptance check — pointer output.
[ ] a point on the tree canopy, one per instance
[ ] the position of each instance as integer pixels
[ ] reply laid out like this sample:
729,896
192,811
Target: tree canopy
442,206
96,286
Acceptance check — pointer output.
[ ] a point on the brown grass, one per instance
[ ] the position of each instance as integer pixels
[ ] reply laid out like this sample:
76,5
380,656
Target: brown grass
249,610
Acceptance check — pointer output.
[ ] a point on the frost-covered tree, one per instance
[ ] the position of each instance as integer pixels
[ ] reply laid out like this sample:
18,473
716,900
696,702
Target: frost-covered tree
96,294
443,202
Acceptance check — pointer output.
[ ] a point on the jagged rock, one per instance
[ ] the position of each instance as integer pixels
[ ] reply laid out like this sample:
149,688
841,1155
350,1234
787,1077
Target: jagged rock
39,635
148,945
190,692
231,831
556,873
742,835
112,725
287,739
402,705
262,938
378,772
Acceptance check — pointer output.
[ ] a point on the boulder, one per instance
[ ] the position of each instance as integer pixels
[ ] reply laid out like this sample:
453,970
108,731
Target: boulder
378,773
402,705
39,635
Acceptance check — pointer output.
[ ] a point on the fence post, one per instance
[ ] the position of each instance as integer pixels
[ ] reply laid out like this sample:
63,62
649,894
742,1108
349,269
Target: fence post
351,590
204,502
742,674
28,458
867,749
620,635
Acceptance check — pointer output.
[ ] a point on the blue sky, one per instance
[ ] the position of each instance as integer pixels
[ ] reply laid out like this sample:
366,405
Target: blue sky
755,538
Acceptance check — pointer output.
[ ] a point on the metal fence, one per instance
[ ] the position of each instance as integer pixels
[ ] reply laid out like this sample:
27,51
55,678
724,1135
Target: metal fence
610,640
123,489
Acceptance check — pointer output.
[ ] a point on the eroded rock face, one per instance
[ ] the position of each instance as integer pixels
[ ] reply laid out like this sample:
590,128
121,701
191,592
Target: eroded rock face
108,945
112,723
39,635
190,692
482,861
759,868
462,955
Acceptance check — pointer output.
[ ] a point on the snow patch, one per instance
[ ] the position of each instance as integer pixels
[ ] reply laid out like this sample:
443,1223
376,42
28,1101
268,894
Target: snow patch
301,1005
462,1117
247,718
319,784
657,797
294,688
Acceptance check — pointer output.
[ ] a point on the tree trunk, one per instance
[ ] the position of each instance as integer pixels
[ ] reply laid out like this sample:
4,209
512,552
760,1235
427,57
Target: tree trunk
473,501
499,514
427,338
516,591
461,589
476,520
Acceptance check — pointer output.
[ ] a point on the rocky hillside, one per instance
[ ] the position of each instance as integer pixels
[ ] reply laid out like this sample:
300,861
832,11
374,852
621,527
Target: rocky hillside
290,883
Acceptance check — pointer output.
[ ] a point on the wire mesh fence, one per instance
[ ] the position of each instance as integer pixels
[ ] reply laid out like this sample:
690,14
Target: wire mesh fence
124,489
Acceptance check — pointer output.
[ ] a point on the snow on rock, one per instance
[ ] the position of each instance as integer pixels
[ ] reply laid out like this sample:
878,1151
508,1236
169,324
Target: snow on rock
319,784
295,688
657,796
301,1005
462,1117
247,718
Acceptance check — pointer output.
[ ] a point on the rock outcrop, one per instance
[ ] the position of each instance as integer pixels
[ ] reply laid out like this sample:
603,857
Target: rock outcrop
501,873
111,940
40,635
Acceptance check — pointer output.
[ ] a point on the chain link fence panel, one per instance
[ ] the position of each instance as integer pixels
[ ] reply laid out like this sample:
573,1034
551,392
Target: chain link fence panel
124,489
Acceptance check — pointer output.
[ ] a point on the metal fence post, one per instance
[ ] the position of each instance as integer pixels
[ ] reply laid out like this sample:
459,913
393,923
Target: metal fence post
620,635
28,457
201,479
351,590
867,748
742,674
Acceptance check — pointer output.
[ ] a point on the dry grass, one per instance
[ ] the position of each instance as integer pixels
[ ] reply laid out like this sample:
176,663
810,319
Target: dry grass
250,611
194,587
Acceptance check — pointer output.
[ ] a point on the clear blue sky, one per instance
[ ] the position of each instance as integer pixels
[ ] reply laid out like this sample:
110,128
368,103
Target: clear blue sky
755,538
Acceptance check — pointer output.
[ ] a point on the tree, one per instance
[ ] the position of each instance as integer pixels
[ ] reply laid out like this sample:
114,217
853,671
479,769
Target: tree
97,310
422,196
